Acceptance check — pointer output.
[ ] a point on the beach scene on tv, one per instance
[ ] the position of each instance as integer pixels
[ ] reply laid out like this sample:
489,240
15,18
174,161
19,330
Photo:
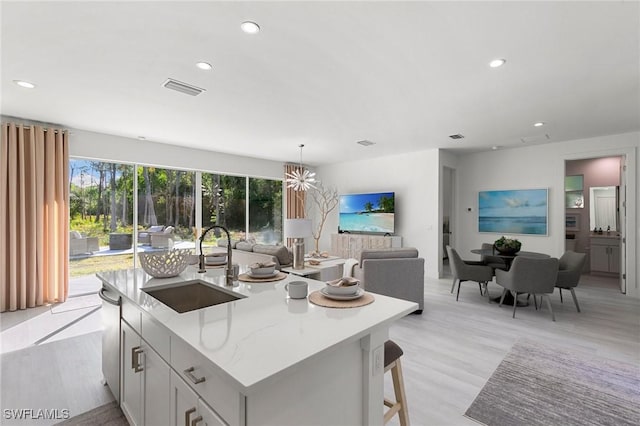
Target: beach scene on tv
513,212
367,212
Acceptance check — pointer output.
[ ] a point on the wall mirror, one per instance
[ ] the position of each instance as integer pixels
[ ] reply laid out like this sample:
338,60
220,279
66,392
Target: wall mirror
603,207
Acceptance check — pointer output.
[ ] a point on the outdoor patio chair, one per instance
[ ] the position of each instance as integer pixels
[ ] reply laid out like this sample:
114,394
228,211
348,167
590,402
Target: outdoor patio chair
82,245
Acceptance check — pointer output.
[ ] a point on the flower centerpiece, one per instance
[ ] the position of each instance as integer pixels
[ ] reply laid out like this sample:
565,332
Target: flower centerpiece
507,245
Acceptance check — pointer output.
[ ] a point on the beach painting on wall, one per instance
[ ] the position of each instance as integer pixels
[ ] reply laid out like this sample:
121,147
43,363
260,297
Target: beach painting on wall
518,211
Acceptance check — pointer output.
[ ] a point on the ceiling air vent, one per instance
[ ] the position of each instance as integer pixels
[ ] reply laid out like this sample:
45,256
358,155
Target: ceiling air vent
535,139
457,136
365,142
181,87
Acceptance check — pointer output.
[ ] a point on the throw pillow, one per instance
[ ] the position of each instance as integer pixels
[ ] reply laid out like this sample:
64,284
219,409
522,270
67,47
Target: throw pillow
244,245
222,242
281,252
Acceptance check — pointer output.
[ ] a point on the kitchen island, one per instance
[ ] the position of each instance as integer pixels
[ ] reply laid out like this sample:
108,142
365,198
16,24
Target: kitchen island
266,359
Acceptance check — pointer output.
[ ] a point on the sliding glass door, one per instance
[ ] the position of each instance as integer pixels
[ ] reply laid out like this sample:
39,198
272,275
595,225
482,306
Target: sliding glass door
106,198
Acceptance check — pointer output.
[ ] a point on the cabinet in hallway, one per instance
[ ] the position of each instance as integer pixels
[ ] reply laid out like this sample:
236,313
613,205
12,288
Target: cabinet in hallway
605,254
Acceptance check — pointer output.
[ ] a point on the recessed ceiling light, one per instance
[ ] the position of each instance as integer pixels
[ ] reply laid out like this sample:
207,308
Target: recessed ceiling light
24,84
457,136
250,27
365,142
496,147
142,138
497,63
538,124
204,66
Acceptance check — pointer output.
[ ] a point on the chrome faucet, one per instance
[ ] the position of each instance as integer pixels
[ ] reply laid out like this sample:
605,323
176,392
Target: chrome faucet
229,280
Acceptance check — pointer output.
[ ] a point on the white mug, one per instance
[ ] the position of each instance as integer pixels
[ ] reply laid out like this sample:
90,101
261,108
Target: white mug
297,289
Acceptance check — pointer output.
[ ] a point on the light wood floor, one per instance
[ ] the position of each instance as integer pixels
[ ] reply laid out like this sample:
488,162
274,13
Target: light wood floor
450,350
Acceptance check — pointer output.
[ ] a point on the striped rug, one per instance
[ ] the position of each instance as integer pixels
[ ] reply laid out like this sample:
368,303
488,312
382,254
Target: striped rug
541,385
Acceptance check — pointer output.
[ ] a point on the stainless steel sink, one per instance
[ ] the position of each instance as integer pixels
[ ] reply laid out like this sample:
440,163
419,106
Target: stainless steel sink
191,295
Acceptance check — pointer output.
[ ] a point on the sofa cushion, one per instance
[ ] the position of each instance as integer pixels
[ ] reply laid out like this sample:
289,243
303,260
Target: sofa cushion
244,245
388,253
168,230
222,242
281,252
75,235
155,228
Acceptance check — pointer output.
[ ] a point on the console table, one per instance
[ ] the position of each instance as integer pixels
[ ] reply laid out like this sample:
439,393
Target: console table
351,245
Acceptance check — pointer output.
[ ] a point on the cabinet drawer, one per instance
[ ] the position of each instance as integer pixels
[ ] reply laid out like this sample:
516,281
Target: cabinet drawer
216,391
156,336
131,314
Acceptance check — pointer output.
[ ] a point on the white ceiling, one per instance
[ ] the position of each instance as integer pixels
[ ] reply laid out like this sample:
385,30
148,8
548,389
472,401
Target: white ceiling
327,74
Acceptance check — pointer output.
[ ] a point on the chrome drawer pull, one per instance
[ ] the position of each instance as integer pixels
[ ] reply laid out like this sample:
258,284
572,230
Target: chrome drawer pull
189,373
188,414
135,359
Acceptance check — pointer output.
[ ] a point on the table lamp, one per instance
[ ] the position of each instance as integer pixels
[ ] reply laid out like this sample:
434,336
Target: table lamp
297,229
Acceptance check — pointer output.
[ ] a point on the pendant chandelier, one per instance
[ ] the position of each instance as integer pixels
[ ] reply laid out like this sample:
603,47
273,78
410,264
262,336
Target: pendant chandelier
300,179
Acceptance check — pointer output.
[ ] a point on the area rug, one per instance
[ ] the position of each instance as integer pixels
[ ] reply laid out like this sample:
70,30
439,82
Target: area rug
537,384
105,415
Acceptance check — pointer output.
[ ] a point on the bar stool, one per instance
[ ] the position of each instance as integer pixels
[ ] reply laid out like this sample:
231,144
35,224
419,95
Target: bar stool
392,354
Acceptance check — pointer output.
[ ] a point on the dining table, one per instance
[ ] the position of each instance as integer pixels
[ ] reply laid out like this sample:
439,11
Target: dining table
508,260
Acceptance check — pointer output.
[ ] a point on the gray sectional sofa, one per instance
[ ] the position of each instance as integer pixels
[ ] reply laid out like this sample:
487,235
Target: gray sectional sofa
246,253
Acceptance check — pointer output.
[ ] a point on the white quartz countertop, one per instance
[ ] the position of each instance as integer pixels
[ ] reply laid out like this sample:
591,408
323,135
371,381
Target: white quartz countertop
252,340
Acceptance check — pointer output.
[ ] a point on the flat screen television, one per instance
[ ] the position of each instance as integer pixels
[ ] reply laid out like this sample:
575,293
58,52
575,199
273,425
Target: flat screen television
372,213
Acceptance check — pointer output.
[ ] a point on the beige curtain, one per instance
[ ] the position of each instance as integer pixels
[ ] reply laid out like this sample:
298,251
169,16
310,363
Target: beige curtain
34,216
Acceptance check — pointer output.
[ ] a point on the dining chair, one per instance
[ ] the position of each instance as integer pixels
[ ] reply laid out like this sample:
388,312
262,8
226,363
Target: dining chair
464,270
529,275
570,268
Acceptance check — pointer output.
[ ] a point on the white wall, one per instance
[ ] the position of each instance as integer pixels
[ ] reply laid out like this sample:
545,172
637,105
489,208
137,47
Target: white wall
414,178
101,146
542,166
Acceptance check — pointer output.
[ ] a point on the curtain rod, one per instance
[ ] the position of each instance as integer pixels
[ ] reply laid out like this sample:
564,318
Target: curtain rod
26,126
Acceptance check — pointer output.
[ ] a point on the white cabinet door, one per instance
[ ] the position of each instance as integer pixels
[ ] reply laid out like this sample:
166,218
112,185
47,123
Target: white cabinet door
614,259
132,361
599,258
145,381
209,417
183,402
156,389
187,408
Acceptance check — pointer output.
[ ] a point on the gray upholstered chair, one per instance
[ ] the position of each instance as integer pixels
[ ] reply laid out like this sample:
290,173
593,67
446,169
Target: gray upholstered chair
468,271
495,262
570,267
395,272
529,275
